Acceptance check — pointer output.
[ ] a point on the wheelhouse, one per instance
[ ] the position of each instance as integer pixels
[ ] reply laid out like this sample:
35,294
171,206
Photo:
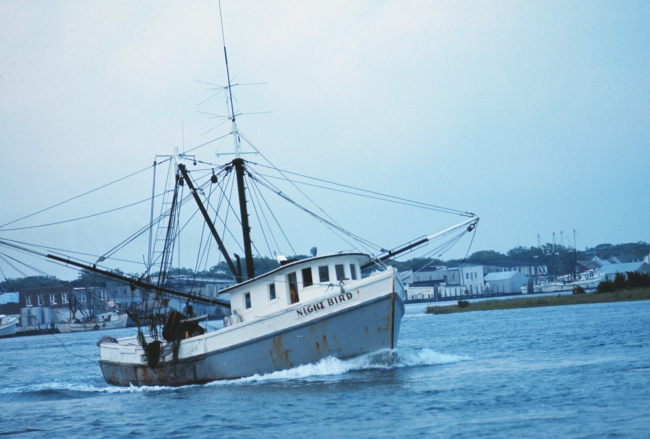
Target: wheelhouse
294,284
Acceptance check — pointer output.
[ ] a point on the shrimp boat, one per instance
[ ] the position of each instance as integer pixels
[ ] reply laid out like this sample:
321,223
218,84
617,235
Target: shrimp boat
279,320
298,312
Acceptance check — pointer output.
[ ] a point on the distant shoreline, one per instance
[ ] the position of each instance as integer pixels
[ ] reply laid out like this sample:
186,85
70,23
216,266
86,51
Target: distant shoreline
632,294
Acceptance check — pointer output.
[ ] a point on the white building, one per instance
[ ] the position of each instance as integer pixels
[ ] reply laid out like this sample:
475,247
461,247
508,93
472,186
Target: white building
506,282
447,282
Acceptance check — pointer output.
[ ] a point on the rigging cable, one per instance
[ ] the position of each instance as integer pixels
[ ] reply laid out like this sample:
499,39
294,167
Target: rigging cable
74,198
300,190
254,191
276,221
404,203
80,218
359,240
259,221
64,252
207,143
319,218
433,206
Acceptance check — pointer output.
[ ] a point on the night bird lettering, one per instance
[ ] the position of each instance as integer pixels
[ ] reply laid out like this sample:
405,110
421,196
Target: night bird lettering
324,304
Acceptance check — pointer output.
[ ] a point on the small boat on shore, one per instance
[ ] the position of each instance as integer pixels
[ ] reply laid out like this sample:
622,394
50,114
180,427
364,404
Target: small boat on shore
109,320
8,325
587,280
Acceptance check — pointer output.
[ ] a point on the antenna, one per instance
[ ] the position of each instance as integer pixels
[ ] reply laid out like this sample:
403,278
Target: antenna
225,54
235,130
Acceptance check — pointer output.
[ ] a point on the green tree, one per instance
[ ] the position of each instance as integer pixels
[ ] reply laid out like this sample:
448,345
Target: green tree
638,280
486,254
25,283
606,286
620,280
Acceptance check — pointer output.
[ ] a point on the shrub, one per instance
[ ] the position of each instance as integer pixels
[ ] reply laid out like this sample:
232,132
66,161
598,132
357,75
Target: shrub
636,280
578,290
620,281
606,286
463,303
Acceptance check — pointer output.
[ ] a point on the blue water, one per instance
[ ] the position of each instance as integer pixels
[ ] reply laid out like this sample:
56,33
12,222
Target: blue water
573,371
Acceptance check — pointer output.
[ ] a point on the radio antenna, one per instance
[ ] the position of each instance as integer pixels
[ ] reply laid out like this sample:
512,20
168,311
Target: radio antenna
225,54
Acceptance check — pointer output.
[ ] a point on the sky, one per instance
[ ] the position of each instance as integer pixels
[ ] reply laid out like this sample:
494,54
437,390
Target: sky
533,115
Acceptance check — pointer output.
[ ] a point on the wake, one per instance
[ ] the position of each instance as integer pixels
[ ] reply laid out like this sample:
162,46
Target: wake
381,360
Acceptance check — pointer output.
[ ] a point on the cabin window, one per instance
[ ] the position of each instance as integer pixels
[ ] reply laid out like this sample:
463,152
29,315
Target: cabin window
340,272
28,300
272,292
64,297
324,273
41,300
82,297
52,298
293,287
307,280
102,295
353,272
247,300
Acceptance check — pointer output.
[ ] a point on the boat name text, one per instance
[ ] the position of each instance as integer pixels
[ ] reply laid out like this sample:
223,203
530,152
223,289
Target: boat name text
334,300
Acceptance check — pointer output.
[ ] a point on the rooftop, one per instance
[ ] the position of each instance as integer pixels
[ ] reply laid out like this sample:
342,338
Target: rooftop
502,275
622,268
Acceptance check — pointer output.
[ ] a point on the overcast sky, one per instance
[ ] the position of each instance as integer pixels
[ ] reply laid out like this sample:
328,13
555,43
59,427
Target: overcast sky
533,115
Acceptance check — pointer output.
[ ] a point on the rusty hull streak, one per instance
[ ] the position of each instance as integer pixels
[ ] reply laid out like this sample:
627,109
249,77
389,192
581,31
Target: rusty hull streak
279,349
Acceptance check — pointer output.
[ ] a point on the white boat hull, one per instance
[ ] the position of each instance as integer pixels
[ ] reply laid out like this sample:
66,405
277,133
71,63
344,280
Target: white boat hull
553,287
119,322
363,319
8,327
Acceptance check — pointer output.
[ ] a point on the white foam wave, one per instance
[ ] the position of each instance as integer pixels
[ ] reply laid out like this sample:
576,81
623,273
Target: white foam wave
384,359
330,366
85,388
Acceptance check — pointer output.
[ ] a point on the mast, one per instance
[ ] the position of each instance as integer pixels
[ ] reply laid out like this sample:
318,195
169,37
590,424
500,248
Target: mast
238,163
240,169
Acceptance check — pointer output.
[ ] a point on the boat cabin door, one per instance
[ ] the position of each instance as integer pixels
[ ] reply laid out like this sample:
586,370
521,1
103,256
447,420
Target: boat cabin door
293,287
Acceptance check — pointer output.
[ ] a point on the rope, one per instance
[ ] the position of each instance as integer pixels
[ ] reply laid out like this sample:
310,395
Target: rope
255,192
260,222
81,218
358,239
319,218
274,167
59,251
405,202
78,196
432,206
278,223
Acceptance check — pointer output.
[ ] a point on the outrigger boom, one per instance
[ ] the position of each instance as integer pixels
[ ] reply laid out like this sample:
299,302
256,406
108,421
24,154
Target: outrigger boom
470,223
133,282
